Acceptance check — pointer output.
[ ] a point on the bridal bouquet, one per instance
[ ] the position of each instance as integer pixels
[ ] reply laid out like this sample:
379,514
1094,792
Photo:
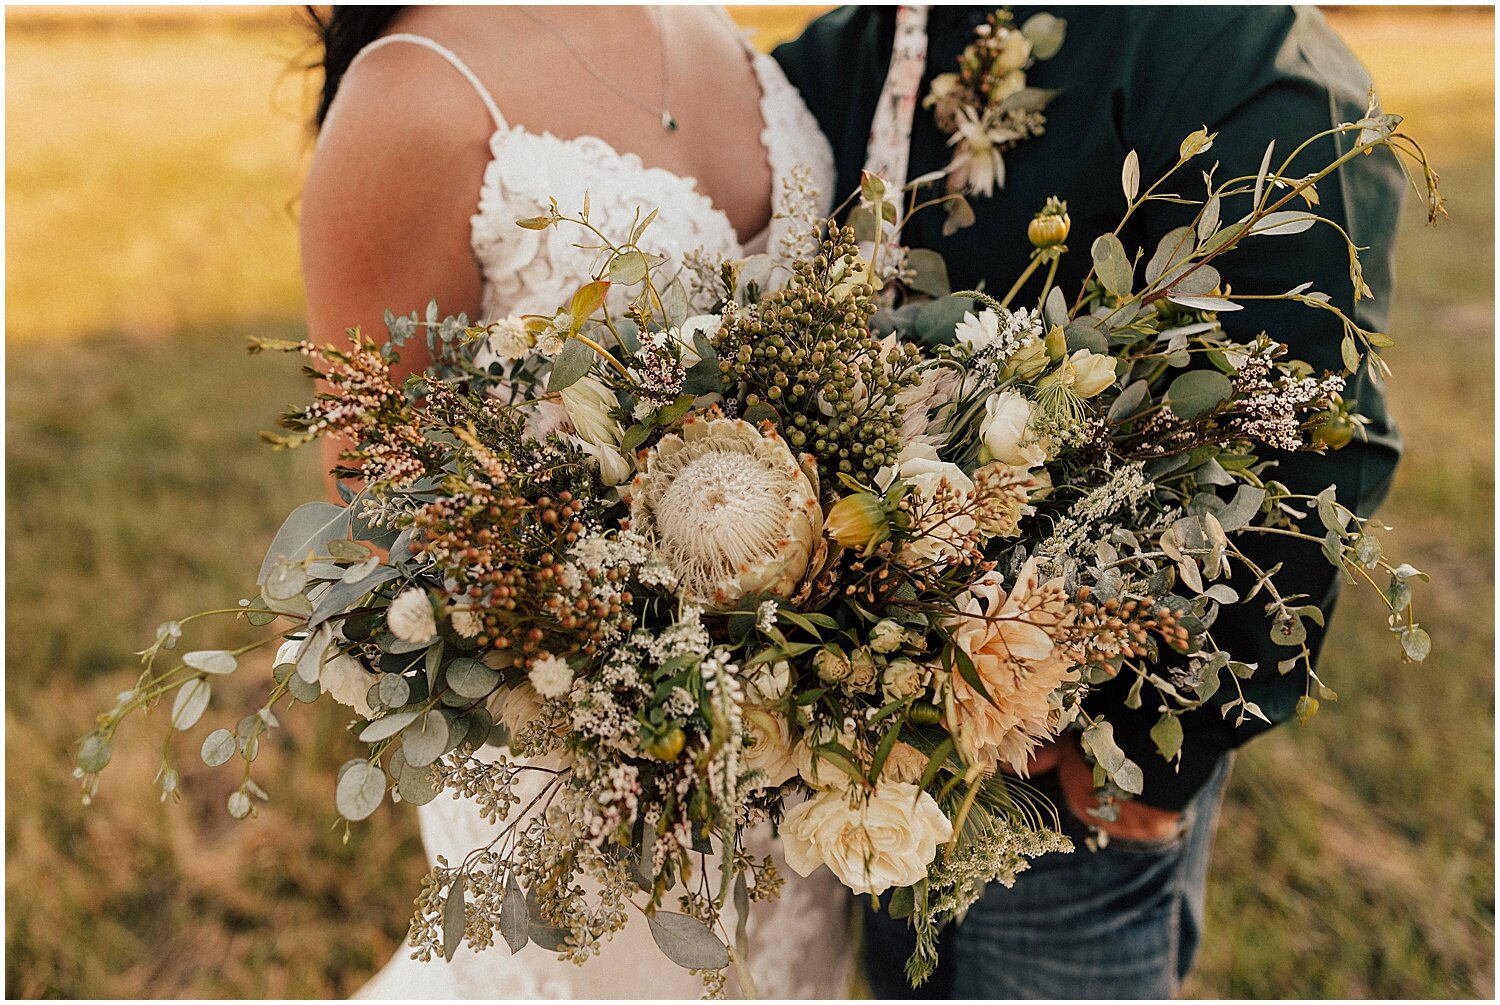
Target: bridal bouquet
803,539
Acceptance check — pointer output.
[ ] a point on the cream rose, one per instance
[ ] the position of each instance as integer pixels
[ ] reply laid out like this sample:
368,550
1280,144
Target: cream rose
823,774
904,763
1005,432
886,637
832,665
904,678
768,748
1015,50
1087,373
871,844
768,683
861,672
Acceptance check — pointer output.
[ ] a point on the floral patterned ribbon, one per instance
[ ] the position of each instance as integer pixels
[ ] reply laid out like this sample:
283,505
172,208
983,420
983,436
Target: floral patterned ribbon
889,150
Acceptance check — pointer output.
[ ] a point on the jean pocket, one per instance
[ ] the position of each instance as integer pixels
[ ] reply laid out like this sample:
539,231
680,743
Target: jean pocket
1080,828
1155,846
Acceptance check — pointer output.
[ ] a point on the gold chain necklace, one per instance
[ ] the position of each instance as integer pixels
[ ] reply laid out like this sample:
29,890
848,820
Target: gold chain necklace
668,121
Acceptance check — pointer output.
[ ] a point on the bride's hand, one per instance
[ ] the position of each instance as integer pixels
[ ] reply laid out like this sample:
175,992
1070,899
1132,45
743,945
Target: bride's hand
1075,777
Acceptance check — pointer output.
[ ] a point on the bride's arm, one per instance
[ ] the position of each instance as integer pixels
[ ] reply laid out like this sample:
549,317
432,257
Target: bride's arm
386,206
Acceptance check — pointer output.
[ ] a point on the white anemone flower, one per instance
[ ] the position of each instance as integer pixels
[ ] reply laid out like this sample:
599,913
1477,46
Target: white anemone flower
730,509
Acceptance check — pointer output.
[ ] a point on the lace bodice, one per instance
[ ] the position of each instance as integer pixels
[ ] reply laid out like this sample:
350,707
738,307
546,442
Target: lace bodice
799,944
533,272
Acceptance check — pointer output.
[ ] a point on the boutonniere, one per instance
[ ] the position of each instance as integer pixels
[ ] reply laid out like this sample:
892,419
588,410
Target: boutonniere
985,107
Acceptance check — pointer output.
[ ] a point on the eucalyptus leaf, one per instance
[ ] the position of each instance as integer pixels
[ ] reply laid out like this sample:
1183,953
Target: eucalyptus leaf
1129,778
1130,176
190,703
360,789
238,804
470,678
1349,353
304,691
1192,280
515,919
628,269
675,301
287,579
361,571
570,366
1087,333
1171,250
1197,142
392,690
1130,401
687,942
310,659
1198,392
453,917
1029,99
1218,304
1283,223
1046,33
426,740
308,528
1112,265
1416,644
937,319
345,550
213,661
1208,220
387,726
1167,735
414,785
929,272
1263,175
218,747
1099,741
1056,307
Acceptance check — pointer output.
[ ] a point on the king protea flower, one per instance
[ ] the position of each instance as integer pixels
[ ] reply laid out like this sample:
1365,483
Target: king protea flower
729,508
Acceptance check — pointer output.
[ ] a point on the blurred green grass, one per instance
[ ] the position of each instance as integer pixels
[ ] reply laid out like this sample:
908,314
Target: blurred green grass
152,176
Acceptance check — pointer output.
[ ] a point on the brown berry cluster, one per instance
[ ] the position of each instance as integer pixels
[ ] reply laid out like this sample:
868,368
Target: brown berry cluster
1114,628
501,556
807,353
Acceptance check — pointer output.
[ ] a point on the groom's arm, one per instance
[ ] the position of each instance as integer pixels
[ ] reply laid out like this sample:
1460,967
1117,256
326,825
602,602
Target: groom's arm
1274,74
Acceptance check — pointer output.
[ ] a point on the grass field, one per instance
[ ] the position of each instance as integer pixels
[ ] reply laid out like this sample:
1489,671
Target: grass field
151,181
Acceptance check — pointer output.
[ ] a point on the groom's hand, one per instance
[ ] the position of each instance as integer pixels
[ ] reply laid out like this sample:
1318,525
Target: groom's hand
1075,776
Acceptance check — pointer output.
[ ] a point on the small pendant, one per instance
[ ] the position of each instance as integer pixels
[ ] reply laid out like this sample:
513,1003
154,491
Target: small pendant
667,122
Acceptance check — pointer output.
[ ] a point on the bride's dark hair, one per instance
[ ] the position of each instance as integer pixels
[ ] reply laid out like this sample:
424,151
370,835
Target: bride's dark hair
343,31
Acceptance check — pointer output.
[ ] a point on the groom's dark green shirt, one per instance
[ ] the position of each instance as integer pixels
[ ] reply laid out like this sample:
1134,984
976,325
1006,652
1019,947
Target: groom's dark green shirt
1142,78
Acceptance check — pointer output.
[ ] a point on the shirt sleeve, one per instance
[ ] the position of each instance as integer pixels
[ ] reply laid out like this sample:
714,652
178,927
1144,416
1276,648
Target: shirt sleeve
1272,75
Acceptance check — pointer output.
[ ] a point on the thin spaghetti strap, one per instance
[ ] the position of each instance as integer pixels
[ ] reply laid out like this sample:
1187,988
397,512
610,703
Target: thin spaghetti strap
447,54
736,31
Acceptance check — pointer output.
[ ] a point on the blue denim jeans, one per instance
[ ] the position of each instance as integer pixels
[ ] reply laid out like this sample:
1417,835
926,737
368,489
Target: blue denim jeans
1122,922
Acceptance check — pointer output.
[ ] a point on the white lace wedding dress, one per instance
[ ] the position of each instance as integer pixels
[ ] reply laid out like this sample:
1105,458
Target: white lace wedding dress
798,943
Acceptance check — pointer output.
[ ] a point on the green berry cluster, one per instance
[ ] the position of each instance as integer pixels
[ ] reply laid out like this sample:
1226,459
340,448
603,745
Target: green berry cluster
806,352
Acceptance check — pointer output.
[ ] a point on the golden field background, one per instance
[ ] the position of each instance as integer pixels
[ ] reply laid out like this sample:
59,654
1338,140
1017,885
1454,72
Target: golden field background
153,163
